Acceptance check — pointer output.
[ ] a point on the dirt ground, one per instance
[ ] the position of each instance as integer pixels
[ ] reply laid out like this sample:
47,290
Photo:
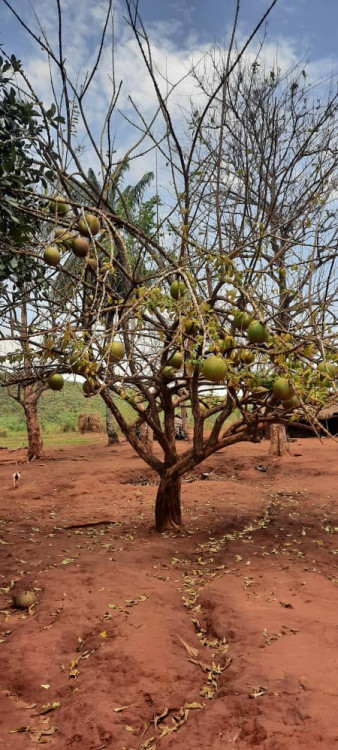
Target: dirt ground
222,636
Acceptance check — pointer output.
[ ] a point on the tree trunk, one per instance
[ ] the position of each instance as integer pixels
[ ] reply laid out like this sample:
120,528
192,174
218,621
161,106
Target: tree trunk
278,442
113,437
168,504
185,422
35,443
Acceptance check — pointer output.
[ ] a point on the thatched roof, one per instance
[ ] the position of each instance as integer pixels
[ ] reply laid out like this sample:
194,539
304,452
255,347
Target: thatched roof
331,410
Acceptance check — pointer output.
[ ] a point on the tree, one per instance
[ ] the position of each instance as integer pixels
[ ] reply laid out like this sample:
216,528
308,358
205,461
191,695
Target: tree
194,319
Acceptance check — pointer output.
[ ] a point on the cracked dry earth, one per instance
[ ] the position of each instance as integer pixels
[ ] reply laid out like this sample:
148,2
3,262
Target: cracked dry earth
222,636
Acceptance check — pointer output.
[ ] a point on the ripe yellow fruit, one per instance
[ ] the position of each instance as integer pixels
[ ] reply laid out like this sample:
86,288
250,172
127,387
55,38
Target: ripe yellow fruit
214,368
89,225
52,256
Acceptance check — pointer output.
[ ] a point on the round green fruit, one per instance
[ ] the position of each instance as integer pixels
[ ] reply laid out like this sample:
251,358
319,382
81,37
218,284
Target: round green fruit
176,361
89,225
80,247
242,320
116,352
282,389
328,369
292,403
257,333
59,205
178,289
52,256
24,599
168,373
214,369
56,382
86,387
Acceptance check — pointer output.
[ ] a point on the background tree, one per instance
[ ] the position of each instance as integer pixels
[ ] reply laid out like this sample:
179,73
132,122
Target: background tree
194,321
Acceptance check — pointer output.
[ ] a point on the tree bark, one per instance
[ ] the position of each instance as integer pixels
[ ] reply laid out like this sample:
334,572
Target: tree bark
278,441
168,504
113,437
185,422
35,442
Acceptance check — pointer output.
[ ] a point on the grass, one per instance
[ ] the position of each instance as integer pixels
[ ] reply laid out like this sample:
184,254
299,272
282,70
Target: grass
58,415
57,412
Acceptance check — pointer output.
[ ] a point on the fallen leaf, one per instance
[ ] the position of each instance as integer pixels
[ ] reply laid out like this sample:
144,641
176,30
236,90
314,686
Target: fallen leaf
128,728
190,649
19,730
49,707
68,560
193,705
46,687
103,634
120,708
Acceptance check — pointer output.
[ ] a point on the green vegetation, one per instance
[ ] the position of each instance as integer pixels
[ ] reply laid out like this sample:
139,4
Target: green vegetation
58,414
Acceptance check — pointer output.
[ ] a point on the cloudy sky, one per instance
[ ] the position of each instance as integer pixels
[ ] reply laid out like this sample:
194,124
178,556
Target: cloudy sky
179,31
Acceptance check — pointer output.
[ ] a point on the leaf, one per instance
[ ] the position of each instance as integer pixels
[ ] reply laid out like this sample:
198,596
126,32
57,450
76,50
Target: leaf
103,634
19,730
68,560
193,705
46,687
49,707
190,649
128,728
118,709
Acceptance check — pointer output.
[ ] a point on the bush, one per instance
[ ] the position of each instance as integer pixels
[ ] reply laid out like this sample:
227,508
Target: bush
68,428
3,433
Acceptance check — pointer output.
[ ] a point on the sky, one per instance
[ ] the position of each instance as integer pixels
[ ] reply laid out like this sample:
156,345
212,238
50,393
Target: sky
179,31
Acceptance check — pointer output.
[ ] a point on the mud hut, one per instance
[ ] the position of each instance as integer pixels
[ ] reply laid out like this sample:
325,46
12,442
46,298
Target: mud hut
328,417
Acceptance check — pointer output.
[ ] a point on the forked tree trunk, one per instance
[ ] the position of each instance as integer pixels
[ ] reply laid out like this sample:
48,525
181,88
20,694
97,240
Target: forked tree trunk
113,437
168,504
35,442
278,441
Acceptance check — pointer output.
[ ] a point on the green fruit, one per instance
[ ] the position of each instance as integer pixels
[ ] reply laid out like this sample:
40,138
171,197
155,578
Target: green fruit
282,389
214,369
89,225
52,256
328,369
56,382
116,352
59,205
292,403
242,320
176,361
257,333
178,289
80,247
168,373
24,599
86,387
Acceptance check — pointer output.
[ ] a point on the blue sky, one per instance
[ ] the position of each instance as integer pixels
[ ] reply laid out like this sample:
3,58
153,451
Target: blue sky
309,23
180,32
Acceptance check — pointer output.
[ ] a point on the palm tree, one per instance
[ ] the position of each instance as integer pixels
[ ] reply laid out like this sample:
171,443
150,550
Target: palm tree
127,202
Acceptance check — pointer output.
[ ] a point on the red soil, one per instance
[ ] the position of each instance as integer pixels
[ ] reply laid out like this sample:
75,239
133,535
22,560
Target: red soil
235,617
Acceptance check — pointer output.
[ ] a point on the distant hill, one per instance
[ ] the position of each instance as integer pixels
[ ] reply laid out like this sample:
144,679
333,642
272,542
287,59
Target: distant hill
56,410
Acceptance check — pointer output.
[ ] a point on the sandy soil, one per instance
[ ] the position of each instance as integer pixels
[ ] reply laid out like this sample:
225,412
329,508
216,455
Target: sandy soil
222,636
